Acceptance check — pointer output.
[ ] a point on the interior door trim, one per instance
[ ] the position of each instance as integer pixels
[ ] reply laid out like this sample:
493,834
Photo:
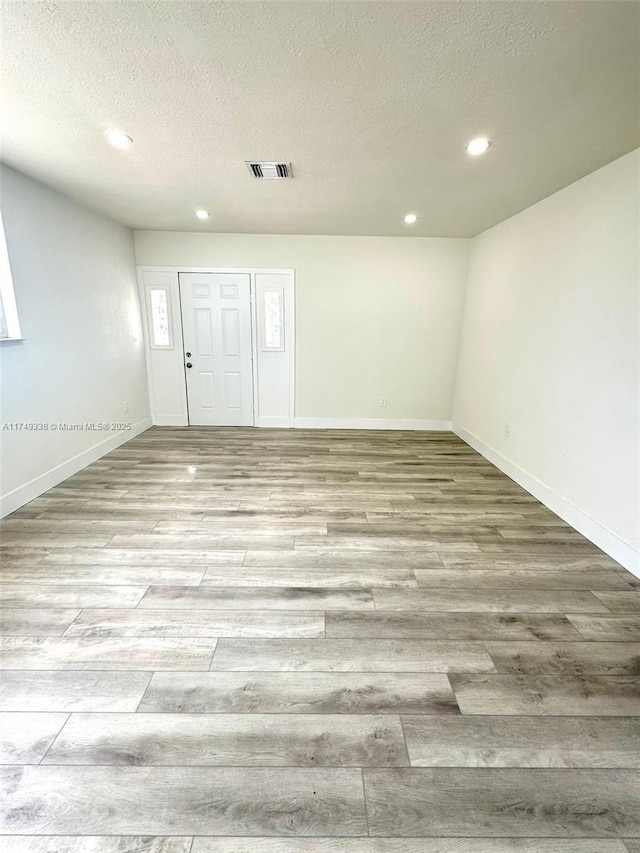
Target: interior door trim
180,416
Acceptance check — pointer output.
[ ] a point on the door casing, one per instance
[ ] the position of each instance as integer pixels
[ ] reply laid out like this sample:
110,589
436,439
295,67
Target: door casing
161,364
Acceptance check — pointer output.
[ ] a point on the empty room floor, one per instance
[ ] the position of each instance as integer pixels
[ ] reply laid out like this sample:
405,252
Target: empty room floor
241,641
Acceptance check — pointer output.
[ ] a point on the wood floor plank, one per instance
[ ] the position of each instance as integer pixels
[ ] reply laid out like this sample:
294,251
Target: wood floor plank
277,514
36,691
557,658
532,531
267,576
33,539
25,738
231,740
72,490
94,653
396,845
545,803
170,557
58,573
12,556
445,515
99,526
554,563
337,493
449,626
491,601
384,543
30,539
420,531
525,579
182,801
620,602
350,656
197,623
606,628
464,741
342,559
540,548
255,598
200,541
561,695
334,503
69,595
299,693
36,622
124,510
240,527
97,844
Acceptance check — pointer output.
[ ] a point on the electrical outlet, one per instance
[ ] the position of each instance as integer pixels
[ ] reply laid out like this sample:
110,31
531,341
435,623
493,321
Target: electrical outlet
507,430
382,402
125,407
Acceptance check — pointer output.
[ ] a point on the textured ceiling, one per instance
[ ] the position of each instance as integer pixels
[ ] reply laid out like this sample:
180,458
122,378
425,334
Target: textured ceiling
372,102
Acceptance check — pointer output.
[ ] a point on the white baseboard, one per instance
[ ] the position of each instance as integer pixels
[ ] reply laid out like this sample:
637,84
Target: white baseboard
36,487
373,423
601,536
328,423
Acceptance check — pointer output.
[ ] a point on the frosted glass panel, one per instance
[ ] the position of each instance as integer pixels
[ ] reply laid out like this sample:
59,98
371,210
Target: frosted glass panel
273,320
161,332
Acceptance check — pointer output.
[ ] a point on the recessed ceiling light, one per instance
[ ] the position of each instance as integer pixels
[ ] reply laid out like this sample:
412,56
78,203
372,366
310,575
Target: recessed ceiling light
410,218
119,140
478,146
202,214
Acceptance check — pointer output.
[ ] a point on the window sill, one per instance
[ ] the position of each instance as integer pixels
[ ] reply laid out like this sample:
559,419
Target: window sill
10,340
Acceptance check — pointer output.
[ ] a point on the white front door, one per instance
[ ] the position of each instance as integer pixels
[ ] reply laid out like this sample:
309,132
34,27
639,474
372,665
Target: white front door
216,325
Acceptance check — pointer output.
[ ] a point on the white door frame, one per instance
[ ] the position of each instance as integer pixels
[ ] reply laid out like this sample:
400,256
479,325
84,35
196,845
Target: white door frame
220,385
182,420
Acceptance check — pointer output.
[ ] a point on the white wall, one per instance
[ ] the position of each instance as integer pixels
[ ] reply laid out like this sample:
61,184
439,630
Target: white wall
375,316
550,347
75,283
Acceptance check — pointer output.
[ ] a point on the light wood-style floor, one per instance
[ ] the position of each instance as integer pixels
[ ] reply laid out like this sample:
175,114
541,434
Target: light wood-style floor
254,641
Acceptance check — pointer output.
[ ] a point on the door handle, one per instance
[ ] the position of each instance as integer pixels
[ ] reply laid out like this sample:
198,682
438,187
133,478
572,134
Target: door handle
188,364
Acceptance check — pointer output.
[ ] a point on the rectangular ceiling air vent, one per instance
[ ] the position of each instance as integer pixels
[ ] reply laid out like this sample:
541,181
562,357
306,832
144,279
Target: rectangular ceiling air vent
269,171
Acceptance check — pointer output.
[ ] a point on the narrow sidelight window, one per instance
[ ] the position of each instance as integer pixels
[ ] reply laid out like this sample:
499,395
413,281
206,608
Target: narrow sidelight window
273,320
159,309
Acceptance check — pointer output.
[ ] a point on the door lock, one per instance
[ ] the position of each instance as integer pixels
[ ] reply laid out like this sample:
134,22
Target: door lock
188,364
